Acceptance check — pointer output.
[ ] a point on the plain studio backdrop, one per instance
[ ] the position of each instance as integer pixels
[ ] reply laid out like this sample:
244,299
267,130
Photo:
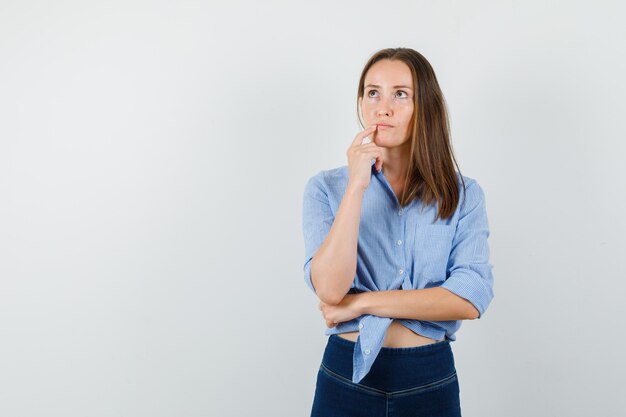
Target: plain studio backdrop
153,157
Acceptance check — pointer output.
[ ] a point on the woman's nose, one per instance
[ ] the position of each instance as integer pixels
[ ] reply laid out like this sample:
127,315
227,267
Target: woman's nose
384,108
385,111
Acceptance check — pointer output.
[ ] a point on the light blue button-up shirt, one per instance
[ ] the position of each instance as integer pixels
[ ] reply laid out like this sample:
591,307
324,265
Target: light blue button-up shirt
402,248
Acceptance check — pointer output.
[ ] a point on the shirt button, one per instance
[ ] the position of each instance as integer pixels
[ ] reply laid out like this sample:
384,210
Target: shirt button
401,271
400,212
367,351
360,325
399,242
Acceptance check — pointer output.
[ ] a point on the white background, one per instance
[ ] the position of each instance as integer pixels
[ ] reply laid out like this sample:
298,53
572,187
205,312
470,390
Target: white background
152,161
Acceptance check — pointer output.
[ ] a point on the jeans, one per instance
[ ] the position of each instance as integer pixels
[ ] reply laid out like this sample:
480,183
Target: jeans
403,382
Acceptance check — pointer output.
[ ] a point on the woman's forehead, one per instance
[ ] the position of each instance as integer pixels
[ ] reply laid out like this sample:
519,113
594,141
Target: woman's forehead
393,74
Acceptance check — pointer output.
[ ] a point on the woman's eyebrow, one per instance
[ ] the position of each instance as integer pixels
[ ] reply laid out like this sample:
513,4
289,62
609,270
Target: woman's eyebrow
395,86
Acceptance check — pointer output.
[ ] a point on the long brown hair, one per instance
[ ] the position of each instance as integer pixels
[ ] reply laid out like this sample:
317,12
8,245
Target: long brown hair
430,175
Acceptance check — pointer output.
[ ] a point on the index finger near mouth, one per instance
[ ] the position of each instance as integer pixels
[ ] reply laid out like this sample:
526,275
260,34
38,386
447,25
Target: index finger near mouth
362,135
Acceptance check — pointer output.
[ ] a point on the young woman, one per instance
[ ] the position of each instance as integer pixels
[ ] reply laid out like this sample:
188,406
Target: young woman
396,250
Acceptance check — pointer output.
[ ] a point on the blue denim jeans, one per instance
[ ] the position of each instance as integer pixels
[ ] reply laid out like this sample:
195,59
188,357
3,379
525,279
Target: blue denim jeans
403,382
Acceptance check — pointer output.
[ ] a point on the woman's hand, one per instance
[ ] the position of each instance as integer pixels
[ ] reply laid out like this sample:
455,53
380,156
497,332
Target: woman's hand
360,157
348,309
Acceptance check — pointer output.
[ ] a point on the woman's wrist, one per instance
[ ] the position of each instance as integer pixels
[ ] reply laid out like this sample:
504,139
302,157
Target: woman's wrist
353,188
362,302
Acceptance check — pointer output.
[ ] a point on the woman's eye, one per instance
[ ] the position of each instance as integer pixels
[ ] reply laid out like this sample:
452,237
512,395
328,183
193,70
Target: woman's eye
403,92
369,93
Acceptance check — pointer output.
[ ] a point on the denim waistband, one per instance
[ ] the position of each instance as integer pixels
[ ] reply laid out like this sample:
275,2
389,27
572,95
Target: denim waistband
394,368
445,344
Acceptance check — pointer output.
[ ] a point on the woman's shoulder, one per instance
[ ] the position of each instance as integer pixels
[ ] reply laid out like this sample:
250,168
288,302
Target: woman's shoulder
471,184
330,178
335,173
472,194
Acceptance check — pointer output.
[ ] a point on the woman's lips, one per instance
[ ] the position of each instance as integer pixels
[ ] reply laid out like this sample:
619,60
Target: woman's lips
384,126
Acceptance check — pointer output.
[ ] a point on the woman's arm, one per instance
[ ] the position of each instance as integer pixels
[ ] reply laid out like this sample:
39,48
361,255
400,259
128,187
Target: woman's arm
431,304
333,267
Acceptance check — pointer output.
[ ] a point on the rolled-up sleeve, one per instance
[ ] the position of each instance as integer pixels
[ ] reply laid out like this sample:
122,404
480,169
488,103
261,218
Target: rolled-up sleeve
470,273
317,220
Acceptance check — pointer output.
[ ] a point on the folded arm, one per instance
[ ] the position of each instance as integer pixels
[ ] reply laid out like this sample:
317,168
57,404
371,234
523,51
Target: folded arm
431,304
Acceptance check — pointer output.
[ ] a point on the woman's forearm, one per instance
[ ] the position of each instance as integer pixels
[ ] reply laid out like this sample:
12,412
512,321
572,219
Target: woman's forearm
333,267
432,304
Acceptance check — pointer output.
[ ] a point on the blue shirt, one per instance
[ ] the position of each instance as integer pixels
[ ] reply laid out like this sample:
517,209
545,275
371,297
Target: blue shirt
402,248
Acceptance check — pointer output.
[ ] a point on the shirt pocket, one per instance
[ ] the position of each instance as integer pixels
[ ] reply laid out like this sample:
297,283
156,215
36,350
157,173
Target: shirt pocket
432,246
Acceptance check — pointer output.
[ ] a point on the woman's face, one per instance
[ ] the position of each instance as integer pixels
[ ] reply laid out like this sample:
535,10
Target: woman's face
388,99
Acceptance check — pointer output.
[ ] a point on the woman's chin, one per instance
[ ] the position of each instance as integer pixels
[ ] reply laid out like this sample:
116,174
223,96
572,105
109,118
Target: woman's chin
389,144
384,141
